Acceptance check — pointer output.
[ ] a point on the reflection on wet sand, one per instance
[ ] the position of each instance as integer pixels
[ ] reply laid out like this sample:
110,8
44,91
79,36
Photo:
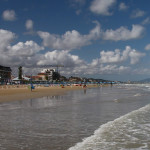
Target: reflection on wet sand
84,91
47,101
58,122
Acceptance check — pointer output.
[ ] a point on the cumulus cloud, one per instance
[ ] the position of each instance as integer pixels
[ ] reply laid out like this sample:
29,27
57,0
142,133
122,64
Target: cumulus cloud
113,69
109,62
26,54
141,71
95,67
74,40
146,21
117,57
29,48
123,6
29,25
19,54
102,7
73,65
137,13
70,40
135,56
111,56
59,57
123,33
31,55
9,15
6,37
147,47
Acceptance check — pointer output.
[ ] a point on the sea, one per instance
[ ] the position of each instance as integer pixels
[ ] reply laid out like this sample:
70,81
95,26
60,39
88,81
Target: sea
114,117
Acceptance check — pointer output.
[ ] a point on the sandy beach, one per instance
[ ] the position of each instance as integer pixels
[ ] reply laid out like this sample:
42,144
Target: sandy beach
22,92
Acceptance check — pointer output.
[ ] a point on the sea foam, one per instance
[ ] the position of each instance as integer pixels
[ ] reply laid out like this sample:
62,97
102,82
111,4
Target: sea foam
127,132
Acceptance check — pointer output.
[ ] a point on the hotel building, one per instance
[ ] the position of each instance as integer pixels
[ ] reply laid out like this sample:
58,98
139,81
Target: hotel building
5,74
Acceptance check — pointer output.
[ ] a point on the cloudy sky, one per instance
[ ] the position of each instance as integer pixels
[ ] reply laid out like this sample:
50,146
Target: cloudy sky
108,39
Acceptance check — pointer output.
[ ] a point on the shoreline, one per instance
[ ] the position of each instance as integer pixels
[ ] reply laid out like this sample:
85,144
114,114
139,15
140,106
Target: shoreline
14,93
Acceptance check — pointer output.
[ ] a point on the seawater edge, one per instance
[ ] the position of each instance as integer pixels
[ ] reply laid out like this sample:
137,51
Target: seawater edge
61,122
21,92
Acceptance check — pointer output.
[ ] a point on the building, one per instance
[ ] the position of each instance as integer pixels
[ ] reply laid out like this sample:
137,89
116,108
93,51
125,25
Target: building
37,78
50,74
5,74
41,76
75,79
19,81
46,75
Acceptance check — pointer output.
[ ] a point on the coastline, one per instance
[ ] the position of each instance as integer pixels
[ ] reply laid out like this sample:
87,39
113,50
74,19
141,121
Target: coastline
14,93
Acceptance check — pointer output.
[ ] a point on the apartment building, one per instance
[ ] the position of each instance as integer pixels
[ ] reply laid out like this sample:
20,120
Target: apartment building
5,74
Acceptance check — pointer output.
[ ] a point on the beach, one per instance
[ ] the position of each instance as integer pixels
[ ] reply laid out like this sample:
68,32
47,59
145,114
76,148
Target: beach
22,92
108,118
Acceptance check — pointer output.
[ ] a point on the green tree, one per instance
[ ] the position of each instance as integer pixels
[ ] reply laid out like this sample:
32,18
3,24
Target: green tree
20,73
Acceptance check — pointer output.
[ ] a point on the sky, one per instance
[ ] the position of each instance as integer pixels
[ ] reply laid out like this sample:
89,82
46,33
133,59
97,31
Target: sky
105,39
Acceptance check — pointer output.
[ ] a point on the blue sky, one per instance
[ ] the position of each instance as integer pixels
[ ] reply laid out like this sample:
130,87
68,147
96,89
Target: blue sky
107,39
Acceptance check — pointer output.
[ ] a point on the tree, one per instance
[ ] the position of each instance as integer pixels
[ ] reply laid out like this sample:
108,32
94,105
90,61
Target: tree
46,77
20,73
56,76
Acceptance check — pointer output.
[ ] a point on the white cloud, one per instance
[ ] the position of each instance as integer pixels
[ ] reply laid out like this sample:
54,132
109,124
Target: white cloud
59,57
70,40
29,25
117,57
123,33
95,67
147,47
123,6
74,40
146,21
6,37
25,54
113,69
28,54
110,56
108,63
135,56
9,15
102,7
29,48
141,71
137,13
95,62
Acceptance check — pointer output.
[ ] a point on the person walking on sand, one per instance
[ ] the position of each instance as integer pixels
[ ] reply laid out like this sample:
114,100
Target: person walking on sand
84,86
32,87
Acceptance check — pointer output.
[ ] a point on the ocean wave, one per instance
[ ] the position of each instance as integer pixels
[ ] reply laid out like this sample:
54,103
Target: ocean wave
130,131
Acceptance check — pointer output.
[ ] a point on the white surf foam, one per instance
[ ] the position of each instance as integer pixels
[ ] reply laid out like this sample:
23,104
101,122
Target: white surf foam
137,94
127,132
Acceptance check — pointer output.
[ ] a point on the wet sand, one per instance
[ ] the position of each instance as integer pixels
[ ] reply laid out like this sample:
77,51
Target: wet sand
92,120
13,93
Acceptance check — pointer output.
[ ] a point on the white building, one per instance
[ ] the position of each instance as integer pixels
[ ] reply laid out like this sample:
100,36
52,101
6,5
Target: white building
18,81
49,73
